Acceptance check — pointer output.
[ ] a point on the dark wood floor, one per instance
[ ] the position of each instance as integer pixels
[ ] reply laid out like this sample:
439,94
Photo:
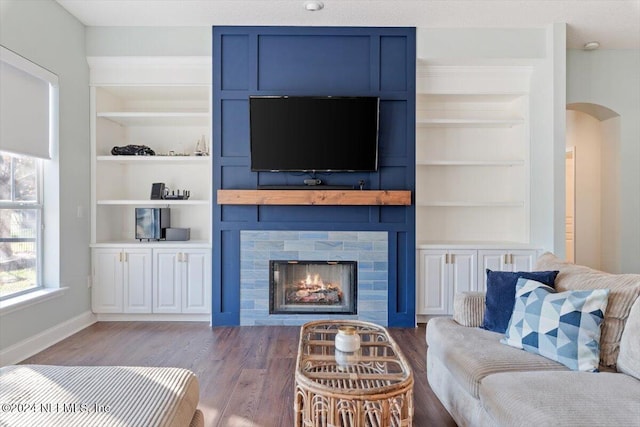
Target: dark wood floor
246,374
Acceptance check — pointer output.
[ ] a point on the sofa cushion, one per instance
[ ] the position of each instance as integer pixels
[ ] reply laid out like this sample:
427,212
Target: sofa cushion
501,295
471,354
629,359
624,290
562,326
561,398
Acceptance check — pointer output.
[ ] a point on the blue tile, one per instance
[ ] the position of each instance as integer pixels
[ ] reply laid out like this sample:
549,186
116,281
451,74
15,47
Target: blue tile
381,246
314,235
270,245
373,275
358,246
343,235
381,266
299,245
328,245
283,255
365,266
372,235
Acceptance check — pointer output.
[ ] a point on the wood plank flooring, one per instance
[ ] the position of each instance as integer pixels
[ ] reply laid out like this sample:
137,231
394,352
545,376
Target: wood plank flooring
246,374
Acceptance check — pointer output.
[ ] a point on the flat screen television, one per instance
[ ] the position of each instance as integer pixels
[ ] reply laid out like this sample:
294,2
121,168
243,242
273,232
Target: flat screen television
314,133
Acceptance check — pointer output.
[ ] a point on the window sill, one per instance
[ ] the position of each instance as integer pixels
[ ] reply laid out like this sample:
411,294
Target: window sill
22,301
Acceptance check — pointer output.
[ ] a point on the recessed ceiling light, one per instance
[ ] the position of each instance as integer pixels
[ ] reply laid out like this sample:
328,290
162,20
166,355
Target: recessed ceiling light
313,6
591,45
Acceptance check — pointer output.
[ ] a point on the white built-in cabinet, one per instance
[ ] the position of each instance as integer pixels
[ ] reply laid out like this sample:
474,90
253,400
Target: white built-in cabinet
182,281
442,274
165,104
472,178
444,271
504,260
121,280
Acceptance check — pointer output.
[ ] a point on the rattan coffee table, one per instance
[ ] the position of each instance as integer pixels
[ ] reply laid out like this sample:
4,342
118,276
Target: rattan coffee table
372,387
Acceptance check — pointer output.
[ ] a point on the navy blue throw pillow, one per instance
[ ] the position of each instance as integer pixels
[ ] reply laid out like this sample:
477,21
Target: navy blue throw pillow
501,295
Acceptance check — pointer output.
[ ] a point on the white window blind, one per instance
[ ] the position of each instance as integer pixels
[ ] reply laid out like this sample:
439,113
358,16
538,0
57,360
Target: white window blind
25,97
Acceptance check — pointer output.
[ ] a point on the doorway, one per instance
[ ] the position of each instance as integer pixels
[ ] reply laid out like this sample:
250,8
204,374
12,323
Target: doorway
570,182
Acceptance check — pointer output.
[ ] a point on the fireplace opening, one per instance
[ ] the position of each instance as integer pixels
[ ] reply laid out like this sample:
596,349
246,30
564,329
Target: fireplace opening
318,287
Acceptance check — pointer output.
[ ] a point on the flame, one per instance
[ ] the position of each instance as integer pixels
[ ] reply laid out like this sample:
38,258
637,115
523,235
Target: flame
315,281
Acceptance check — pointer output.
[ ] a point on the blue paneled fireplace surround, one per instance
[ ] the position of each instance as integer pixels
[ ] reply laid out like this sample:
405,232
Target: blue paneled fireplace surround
314,61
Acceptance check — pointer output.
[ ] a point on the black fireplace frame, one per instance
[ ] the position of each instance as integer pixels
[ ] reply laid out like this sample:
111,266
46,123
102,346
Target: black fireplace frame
354,291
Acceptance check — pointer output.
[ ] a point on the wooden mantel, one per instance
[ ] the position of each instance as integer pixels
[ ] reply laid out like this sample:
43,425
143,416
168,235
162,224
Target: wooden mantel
315,197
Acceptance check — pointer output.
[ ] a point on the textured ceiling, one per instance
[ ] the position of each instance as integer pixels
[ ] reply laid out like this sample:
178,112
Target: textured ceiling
614,23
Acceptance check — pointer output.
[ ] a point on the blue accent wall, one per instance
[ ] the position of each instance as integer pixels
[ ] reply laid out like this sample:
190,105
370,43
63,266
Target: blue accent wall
339,61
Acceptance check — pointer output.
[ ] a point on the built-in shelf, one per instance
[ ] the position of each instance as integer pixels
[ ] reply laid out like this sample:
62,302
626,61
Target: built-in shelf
160,202
153,159
315,197
131,243
471,163
472,204
469,122
127,118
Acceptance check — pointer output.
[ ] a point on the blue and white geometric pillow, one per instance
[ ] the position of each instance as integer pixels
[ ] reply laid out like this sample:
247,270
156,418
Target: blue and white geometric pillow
561,326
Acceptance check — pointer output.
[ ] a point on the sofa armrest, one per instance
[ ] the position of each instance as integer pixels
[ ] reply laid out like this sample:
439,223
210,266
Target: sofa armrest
468,308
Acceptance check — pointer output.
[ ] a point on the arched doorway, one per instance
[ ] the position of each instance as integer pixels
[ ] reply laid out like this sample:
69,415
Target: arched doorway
593,141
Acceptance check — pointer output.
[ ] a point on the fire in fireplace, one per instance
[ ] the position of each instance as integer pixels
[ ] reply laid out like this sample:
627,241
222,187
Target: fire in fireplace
316,287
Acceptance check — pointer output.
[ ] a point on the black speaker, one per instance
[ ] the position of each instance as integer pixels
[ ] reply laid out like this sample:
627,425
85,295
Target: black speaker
157,190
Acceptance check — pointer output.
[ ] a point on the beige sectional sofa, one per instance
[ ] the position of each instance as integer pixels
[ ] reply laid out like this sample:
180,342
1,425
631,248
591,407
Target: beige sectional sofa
483,382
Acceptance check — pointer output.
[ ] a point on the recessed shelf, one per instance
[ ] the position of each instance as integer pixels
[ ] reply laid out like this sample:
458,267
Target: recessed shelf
132,243
153,159
162,202
471,163
127,118
469,122
470,204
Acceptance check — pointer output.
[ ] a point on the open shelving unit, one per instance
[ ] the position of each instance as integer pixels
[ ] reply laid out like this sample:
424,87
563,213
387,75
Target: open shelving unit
472,155
472,179
167,108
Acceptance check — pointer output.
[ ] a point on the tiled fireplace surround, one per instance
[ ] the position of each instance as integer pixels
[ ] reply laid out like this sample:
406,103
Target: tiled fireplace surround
368,248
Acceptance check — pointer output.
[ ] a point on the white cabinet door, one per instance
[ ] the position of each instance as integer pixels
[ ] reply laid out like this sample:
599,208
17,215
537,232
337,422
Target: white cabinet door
196,281
504,260
463,267
107,287
522,260
137,280
442,274
494,260
433,292
167,293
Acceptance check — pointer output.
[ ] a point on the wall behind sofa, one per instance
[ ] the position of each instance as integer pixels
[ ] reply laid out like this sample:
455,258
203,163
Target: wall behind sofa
47,34
611,78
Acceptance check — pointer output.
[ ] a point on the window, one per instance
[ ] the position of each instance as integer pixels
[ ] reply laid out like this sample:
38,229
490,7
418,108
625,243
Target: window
20,224
28,139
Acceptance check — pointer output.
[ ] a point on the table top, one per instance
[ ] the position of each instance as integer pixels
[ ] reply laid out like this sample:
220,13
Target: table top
377,367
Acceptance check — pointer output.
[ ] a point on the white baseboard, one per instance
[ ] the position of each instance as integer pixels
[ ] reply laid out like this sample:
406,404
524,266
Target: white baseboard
35,344
144,317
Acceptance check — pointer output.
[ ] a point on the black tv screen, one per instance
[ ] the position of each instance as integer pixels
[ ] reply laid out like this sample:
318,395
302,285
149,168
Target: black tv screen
305,133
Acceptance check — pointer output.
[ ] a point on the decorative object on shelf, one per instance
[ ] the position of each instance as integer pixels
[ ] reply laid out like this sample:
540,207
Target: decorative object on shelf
201,147
133,150
347,339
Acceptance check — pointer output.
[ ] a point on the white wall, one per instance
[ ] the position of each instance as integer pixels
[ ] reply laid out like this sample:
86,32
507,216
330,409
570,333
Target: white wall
45,33
584,132
148,41
611,78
